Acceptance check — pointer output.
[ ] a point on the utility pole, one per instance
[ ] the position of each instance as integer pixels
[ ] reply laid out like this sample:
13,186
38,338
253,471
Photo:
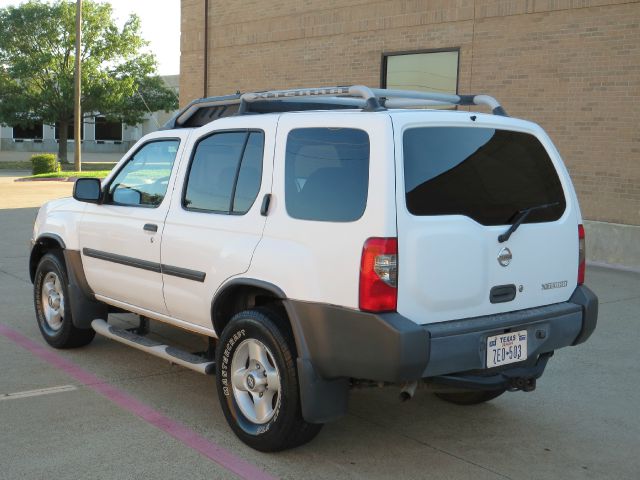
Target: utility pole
77,123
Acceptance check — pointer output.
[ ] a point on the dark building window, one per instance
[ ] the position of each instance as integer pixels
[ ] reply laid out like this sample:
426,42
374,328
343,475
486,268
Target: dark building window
429,71
106,130
33,132
70,134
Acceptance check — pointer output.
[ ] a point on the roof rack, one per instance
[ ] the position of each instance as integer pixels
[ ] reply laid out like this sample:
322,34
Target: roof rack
205,110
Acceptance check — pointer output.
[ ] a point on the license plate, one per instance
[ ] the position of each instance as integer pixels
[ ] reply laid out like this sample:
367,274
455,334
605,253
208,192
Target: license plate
506,348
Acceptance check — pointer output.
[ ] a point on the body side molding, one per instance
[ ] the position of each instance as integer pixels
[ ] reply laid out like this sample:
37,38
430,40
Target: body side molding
180,272
122,260
186,273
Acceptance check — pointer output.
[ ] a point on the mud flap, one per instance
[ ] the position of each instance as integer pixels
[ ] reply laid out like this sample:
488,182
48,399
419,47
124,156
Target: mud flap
84,308
322,400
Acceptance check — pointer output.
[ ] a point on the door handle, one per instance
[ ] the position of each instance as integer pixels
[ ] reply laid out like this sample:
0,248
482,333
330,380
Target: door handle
264,208
150,227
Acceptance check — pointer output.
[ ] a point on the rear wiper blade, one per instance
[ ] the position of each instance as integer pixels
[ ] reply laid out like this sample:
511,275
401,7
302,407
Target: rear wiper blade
521,216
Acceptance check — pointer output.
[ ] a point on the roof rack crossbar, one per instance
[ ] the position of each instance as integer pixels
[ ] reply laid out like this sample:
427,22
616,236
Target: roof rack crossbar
361,91
443,98
372,97
356,96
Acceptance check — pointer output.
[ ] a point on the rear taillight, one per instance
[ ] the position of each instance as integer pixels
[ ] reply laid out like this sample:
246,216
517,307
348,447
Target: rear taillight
379,275
582,255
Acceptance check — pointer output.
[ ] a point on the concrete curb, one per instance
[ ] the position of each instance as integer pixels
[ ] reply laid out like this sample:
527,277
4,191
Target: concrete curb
612,266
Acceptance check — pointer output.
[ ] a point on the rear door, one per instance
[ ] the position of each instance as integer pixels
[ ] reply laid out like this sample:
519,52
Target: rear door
459,186
214,223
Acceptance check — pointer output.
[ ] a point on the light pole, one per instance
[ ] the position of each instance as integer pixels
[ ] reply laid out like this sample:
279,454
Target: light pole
77,123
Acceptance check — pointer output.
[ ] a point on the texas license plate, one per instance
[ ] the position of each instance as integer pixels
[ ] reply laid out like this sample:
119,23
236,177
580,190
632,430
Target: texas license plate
506,348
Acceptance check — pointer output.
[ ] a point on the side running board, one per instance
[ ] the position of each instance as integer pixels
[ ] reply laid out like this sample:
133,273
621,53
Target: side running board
172,354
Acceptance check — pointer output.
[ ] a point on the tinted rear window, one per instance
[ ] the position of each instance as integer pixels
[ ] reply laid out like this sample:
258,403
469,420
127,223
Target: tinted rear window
327,174
486,174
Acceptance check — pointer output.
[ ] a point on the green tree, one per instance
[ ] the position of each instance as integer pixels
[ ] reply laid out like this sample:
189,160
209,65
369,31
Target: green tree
37,54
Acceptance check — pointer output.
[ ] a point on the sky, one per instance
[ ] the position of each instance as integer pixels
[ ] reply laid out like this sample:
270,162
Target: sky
160,25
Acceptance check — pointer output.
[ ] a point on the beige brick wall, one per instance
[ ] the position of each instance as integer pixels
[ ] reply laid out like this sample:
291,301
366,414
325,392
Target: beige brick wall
571,65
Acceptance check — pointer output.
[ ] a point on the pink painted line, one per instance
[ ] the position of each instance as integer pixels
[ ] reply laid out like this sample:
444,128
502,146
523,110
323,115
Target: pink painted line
190,438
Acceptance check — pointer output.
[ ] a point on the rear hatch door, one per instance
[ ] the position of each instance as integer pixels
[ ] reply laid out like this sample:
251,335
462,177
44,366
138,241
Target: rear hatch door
460,184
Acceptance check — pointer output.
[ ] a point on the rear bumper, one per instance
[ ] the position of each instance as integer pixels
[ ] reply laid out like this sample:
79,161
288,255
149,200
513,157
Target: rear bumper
336,343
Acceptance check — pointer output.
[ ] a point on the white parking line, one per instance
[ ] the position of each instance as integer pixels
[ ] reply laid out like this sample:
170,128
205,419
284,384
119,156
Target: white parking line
38,392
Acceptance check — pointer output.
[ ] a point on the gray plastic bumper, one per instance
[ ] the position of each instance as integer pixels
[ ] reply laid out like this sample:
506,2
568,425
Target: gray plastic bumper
336,343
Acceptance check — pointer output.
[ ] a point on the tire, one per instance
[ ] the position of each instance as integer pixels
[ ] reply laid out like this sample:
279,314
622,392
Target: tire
470,397
261,402
53,313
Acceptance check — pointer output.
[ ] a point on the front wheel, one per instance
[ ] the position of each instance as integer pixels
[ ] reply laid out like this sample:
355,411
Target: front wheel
53,309
258,383
470,397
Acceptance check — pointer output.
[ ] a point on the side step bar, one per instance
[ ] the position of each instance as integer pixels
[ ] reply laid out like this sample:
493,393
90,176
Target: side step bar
172,354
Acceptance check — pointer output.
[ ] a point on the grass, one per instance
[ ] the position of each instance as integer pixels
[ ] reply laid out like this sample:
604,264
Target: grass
89,167
67,174
66,167
92,170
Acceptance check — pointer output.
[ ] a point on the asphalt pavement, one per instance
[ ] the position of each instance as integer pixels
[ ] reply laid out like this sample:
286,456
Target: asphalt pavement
109,411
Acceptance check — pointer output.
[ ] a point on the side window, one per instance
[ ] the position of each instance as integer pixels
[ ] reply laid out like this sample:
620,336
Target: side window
143,180
250,174
225,173
327,174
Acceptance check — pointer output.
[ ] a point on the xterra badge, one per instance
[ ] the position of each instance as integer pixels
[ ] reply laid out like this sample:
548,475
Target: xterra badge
550,285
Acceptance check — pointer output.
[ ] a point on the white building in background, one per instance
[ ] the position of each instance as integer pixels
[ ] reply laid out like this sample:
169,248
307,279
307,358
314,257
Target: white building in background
97,134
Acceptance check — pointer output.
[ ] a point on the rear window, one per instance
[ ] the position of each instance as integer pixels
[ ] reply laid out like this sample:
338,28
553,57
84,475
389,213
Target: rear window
327,174
486,174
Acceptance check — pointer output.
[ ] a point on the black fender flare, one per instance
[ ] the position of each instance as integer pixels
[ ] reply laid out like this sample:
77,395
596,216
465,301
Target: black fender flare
52,236
322,400
84,307
37,250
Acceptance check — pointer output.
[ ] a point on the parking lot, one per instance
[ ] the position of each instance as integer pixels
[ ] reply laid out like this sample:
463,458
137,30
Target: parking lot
119,413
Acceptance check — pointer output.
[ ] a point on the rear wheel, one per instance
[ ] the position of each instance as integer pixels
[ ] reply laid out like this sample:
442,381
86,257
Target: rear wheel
53,309
472,397
258,383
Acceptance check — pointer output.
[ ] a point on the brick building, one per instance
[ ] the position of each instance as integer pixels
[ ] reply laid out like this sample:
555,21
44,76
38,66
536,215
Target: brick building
572,66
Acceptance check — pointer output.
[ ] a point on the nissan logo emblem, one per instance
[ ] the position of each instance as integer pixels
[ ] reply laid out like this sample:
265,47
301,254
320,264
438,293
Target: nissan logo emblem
504,257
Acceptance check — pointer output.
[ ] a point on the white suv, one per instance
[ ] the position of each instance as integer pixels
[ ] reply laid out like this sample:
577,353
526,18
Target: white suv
323,238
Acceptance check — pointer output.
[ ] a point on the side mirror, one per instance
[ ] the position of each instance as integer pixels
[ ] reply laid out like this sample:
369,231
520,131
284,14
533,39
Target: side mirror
87,190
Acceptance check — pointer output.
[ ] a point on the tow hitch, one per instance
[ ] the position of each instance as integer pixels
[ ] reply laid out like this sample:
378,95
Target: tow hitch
524,384
518,378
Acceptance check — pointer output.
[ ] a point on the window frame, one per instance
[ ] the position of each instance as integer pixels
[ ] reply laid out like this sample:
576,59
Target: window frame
386,55
194,149
105,188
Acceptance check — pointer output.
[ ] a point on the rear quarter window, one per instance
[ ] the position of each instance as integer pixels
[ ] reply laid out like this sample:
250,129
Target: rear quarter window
327,174
486,174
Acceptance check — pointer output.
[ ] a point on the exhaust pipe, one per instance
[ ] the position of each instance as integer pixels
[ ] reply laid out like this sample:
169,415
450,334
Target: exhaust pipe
408,391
